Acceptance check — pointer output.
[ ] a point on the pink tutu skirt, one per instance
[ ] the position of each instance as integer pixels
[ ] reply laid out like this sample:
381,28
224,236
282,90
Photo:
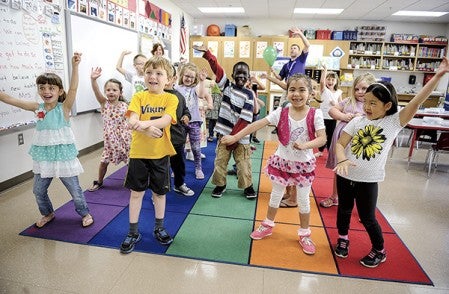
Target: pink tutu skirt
290,173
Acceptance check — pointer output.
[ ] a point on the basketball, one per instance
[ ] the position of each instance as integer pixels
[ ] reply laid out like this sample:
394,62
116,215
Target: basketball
213,30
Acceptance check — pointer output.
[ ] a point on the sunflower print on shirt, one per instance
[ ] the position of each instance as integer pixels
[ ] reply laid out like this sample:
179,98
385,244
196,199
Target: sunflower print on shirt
367,142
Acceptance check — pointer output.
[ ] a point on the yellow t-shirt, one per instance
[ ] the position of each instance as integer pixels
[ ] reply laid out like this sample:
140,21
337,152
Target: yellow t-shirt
152,106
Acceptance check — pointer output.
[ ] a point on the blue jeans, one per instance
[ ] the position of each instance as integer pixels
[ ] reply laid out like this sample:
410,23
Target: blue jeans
40,190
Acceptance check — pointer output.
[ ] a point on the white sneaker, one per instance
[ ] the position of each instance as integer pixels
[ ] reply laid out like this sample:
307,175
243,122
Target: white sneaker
189,156
184,190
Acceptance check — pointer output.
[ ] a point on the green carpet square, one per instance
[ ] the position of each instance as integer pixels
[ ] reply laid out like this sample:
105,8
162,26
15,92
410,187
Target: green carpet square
232,204
212,238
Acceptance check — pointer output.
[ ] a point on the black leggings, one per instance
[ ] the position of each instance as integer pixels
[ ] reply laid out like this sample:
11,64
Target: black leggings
330,127
365,196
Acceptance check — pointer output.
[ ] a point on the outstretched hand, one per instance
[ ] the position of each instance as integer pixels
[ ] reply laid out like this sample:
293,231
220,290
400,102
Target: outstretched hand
95,73
76,59
444,65
201,47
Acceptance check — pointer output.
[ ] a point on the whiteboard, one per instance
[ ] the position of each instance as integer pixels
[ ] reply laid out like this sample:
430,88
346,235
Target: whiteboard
101,45
31,42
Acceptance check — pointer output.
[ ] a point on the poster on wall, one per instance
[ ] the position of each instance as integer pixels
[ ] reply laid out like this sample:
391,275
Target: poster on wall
213,47
228,50
279,46
244,49
260,48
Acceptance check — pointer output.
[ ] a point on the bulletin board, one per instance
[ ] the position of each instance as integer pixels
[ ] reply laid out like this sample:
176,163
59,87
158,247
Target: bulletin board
31,43
101,44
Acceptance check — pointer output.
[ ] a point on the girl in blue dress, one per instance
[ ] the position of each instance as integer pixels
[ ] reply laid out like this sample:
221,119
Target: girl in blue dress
53,148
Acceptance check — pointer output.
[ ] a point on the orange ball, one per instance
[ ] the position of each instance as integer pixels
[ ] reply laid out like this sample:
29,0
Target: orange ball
213,30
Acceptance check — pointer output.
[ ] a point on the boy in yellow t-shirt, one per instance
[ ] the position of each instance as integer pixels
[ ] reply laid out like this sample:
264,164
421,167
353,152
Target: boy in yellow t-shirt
150,114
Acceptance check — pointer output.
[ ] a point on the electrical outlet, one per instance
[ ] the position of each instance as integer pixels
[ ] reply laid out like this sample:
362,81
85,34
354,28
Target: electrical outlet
20,139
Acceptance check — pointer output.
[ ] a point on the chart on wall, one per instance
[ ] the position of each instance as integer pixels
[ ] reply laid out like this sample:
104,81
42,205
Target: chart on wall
31,43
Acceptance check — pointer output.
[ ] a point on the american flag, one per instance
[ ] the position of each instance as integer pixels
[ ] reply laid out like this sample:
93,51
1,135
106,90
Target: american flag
183,37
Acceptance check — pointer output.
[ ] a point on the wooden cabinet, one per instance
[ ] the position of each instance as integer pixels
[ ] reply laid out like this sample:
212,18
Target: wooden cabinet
407,57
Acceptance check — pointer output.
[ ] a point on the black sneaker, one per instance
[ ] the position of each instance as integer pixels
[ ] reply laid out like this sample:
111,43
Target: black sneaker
374,258
162,236
249,192
255,140
342,248
218,191
129,243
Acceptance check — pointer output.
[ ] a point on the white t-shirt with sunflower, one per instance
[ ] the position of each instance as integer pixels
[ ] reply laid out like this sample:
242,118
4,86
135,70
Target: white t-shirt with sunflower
369,147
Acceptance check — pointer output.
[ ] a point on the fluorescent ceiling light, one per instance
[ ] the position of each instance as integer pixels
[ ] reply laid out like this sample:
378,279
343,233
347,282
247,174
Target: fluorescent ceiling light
419,13
317,11
221,9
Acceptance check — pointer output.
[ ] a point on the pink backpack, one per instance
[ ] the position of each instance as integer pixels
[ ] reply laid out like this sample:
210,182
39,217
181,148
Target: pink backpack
284,125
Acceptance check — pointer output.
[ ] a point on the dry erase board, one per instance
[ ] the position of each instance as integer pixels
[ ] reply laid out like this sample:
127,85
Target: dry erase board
31,42
101,45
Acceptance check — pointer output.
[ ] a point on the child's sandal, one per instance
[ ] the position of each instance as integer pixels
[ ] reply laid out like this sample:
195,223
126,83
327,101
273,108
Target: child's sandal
45,220
95,186
87,220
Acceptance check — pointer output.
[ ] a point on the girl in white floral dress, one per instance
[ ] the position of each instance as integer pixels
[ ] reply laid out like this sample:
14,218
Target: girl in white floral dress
117,135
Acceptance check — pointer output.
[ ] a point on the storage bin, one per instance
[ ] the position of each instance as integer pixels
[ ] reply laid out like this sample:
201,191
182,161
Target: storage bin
350,35
230,30
323,34
337,35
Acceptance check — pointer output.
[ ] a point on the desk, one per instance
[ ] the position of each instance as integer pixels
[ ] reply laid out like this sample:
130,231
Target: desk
442,114
418,124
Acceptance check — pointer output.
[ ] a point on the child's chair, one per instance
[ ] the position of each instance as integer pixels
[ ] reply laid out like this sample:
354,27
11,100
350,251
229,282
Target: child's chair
441,146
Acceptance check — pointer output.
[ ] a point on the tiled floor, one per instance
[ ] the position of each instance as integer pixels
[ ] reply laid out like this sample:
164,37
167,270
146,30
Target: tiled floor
416,207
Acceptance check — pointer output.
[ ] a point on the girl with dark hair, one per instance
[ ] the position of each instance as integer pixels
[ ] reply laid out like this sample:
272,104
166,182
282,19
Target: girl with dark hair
362,165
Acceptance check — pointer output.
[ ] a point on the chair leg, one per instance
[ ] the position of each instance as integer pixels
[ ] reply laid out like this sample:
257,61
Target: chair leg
431,156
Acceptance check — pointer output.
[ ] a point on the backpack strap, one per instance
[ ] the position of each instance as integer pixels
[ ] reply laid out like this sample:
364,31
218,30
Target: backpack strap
310,120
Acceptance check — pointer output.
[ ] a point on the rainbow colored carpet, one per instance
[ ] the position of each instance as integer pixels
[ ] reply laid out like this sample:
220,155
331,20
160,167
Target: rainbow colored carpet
214,229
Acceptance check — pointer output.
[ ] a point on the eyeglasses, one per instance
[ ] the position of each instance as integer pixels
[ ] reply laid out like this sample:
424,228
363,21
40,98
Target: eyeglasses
189,77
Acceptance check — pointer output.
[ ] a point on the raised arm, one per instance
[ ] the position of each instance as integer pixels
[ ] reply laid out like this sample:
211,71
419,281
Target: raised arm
73,88
298,33
323,78
213,62
411,108
119,66
94,75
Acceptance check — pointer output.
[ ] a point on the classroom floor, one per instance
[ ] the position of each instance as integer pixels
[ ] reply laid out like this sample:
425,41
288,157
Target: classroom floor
415,206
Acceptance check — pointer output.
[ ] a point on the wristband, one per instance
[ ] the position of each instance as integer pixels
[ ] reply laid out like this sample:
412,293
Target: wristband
342,161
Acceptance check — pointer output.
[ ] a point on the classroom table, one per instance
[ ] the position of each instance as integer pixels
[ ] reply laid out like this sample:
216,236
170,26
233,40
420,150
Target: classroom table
434,113
416,124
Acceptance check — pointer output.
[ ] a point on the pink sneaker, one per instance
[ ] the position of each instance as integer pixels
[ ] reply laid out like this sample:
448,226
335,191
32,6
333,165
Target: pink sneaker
328,202
307,245
262,231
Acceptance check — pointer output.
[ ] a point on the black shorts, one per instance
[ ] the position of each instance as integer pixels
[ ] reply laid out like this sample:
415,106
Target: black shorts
151,174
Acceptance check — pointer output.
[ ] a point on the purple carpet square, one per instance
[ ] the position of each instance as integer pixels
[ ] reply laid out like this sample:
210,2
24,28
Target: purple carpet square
111,193
67,224
119,174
